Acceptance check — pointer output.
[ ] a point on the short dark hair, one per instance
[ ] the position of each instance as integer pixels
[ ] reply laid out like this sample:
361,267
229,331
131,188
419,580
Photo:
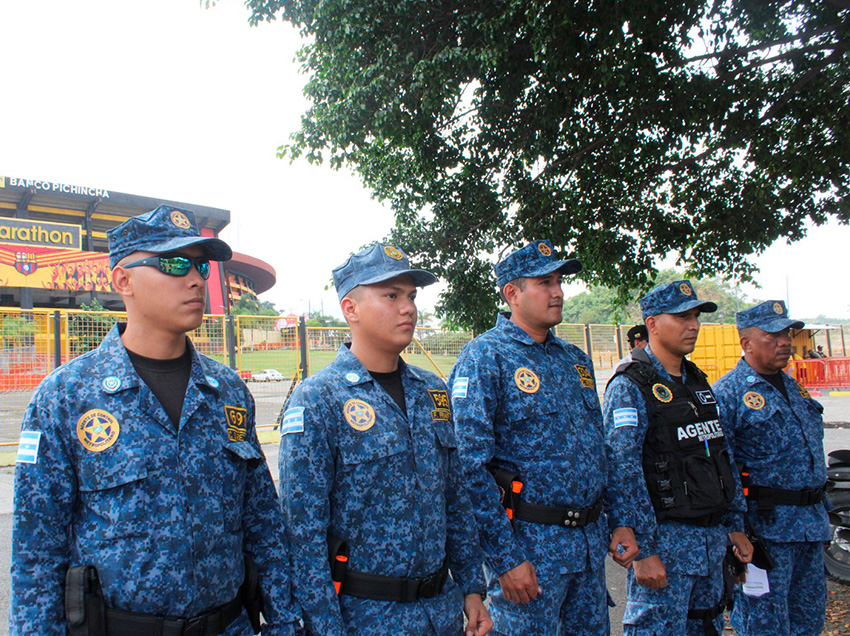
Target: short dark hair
519,282
638,331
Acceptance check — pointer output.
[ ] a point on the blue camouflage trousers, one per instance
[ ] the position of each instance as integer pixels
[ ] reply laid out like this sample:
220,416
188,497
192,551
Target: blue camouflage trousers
796,602
664,612
574,604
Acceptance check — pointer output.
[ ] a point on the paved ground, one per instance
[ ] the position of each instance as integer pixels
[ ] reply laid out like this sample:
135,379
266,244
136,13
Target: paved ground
835,437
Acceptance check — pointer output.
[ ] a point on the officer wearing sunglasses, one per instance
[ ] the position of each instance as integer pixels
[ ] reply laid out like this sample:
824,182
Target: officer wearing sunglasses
143,500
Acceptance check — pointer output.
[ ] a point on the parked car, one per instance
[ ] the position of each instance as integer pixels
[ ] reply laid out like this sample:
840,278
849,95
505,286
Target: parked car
268,375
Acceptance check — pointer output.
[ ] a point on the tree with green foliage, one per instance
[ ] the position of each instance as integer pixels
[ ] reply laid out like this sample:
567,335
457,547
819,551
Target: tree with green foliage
600,305
318,319
249,305
622,131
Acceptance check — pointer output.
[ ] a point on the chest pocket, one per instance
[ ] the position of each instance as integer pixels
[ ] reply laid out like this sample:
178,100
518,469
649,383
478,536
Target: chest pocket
243,450
445,435
239,456
362,449
520,406
113,493
591,399
766,432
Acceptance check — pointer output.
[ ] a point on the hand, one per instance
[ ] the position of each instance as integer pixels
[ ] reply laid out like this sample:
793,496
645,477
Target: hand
519,584
478,620
743,550
623,537
741,546
650,572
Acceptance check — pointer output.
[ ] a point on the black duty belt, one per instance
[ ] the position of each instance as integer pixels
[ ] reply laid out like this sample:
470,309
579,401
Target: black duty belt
510,487
121,623
551,515
780,497
392,588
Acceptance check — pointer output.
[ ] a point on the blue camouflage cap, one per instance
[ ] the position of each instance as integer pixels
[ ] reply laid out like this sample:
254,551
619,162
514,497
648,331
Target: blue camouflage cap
770,316
376,264
162,230
673,298
535,259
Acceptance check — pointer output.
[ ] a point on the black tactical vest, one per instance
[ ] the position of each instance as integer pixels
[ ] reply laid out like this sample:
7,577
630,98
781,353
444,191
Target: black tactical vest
685,460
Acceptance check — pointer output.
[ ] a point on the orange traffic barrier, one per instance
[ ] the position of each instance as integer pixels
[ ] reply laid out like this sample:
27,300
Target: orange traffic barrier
838,372
821,374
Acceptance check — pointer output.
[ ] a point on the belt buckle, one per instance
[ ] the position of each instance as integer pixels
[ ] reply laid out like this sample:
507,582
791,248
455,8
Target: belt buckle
571,518
428,586
196,626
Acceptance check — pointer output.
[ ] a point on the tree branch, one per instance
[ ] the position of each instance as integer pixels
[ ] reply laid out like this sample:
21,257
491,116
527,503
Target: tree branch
755,47
783,56
840,49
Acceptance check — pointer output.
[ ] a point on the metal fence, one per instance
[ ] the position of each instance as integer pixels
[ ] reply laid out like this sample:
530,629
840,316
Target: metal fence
271,353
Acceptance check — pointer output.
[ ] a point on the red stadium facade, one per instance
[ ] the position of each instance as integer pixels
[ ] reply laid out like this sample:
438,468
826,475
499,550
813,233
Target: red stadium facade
53,247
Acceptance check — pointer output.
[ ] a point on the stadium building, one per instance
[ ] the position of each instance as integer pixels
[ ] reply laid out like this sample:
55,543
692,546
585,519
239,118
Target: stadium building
53,247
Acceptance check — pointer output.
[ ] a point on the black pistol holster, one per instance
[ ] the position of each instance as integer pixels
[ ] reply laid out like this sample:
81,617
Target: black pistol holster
86,611
250,593
84,606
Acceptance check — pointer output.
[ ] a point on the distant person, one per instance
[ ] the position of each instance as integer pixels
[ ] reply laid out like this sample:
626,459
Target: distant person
775,432
821,353
638,338
140,485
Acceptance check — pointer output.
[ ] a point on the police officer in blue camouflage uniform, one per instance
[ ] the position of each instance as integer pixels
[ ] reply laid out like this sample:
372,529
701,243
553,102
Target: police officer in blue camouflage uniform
530,434
775,431
376,509
671,481
139,466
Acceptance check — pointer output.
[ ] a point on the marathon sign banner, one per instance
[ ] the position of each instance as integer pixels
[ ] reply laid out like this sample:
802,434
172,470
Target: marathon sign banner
53,186
44,268
40,234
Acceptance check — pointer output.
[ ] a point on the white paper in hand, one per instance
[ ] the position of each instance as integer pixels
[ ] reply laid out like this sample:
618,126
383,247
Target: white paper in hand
757,583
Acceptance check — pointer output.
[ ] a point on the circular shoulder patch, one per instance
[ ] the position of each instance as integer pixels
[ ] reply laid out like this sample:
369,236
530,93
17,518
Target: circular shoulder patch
359,415
662,393
777,308
686,289
180,220
803,391
393,252
111,384
753,400
544,249
526,380
97,430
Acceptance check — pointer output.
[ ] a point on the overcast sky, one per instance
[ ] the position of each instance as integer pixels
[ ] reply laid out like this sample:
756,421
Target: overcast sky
168,100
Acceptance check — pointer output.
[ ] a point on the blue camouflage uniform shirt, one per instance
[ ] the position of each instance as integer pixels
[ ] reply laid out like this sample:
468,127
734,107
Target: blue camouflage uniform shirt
356,468
163,512
781,444
531,408
682,547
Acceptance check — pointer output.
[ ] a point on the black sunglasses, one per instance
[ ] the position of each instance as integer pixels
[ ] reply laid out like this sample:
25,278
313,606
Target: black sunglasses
175,265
